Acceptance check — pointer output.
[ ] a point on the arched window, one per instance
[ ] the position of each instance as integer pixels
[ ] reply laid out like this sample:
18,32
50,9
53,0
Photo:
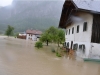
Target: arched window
75,46
82,48
67,44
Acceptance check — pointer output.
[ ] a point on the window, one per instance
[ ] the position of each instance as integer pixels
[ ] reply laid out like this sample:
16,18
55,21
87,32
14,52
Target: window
82,48
72,30
66,32
85,26
75,46
69,31
67,44
78,29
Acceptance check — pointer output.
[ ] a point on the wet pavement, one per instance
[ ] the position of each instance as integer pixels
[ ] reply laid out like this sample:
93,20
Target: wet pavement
19,57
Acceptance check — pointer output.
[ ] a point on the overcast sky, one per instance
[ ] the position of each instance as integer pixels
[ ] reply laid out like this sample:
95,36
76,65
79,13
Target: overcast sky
8,2
5,2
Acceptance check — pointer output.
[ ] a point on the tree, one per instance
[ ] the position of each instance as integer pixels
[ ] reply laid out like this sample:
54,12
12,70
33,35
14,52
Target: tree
46,37
9,31
60,37
57,35
53,35
53,32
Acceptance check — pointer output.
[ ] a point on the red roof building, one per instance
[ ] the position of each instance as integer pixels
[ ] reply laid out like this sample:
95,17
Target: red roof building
34,32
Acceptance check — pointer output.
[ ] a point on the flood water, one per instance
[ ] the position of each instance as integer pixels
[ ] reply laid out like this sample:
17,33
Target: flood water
19,57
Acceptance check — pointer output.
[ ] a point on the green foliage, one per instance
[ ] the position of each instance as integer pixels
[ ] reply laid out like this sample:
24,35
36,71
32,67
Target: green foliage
53,32
57,54
49,35
60,37
53,35
9,31
16,35
38,44
46,37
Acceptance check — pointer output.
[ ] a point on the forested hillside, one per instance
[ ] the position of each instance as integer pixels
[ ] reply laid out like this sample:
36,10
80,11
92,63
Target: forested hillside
30,14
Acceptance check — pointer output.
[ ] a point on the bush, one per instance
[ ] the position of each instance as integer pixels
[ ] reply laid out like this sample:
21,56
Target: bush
57,54
38,44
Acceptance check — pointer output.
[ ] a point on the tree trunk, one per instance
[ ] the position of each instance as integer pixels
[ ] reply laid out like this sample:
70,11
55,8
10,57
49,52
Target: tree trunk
47,42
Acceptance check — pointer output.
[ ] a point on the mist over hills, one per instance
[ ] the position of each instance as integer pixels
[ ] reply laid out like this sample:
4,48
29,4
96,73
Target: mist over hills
30,14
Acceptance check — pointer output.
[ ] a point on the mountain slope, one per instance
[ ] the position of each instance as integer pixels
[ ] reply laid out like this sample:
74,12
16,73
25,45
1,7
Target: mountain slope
30,14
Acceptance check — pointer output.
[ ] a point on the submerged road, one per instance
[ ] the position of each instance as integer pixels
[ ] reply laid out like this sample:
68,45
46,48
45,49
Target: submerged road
19,57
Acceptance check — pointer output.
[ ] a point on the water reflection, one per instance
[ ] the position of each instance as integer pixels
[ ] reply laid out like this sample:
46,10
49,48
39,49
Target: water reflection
19,57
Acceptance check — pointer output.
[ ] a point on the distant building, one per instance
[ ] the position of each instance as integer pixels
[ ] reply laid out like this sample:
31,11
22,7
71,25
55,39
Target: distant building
22,35
33,34
81,21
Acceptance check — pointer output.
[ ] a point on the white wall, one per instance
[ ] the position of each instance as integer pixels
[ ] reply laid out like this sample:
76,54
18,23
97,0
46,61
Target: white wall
87,49
81,37
33,37
27,36
95,50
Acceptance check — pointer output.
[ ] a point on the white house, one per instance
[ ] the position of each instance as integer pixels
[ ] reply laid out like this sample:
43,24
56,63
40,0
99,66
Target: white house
32,34
81,21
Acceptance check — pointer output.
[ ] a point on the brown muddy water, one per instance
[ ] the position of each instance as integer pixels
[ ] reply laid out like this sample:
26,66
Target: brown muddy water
19,57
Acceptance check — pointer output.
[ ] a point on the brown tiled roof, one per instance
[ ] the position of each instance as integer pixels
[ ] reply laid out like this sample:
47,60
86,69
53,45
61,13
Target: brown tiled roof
29,31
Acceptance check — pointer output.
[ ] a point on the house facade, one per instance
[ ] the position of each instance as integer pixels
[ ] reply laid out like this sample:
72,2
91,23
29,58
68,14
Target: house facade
82,26
33,34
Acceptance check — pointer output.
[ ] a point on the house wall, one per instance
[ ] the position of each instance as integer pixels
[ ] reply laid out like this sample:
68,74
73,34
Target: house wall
95,39
27,36
34,37
95,50
31,37
81,37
